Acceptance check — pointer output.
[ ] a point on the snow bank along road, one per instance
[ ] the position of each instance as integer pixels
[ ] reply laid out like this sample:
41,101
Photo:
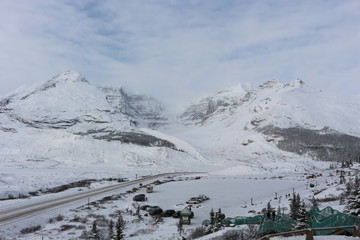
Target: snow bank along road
20,212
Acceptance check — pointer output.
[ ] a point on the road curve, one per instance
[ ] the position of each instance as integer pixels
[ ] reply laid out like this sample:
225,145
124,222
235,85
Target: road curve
12,214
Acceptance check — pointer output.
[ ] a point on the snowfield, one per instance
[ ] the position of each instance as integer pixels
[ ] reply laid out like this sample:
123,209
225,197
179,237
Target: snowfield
230,193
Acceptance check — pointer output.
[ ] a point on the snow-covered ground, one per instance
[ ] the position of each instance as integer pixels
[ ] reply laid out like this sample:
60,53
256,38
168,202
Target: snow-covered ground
316,238
226,191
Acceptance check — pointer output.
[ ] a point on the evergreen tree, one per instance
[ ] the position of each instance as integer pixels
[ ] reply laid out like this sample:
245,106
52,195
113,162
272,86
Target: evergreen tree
120,228
94,234
295,206
302,218
216,221
111,230
349,187
212,218
353,206
269,207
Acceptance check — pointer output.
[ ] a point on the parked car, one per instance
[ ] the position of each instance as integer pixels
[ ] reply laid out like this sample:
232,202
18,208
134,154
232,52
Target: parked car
176,214
143,207
150,207
203,197
193,200
155,211
139,198
168,213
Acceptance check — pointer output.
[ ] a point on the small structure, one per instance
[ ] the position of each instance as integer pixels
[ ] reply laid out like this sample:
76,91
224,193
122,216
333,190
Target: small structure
185,215
149,189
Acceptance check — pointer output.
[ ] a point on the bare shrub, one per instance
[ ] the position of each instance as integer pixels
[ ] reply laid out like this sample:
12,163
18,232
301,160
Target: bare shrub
35,193
197,232
102,222
76,218
30,229
328,199
80,227
81,183
250,233
84,235
59,218
66,227
142,232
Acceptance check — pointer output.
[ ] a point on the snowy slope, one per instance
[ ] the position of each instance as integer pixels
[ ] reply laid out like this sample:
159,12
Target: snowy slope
277,104
270,124
67,122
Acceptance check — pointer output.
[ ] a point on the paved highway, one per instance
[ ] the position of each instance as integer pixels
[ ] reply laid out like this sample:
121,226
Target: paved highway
12,214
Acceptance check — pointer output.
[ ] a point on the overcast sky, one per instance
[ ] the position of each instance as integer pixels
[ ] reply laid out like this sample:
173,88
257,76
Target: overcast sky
180,50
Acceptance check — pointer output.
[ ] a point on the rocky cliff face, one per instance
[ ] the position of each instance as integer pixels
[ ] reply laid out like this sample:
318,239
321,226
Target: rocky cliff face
143,110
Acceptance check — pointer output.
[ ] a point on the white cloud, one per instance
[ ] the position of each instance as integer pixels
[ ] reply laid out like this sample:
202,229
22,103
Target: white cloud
180,50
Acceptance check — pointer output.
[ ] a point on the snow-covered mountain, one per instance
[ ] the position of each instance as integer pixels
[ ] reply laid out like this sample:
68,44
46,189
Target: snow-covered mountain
244,122
66,121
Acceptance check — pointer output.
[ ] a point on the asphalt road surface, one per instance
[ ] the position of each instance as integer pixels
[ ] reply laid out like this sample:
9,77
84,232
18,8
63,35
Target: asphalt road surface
20,212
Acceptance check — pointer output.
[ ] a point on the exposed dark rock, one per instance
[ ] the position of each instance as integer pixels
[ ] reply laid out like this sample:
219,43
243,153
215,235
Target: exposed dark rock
325,144
130,137
7,129
144,110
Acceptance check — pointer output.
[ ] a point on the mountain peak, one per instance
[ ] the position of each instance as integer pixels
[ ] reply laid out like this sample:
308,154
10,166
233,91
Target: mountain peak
298,83
69,76
270,84
65,77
